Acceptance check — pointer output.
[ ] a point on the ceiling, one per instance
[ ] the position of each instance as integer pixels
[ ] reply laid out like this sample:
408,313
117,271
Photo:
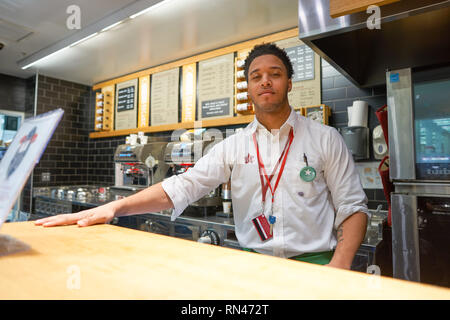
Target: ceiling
172,30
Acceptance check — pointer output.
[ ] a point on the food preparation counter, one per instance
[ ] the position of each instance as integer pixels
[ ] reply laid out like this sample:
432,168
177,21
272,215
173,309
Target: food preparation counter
190,225
111,262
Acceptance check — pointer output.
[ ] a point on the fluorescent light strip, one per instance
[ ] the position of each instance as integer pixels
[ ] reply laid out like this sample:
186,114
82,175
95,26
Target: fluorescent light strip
84,39
148,9
51,54
111,26
140,13
54,53
94,34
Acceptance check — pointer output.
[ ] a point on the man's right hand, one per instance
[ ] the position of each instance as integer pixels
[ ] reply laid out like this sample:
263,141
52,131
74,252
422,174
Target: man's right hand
102,214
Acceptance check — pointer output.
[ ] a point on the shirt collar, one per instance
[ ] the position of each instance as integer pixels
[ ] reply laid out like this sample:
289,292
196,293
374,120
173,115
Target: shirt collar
290,123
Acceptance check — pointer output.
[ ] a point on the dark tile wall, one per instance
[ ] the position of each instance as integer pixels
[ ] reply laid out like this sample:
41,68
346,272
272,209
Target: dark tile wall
339,93
100,158
13,92
66,156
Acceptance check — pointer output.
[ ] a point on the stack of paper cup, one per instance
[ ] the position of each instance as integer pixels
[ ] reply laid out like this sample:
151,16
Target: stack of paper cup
142,138
133,139
358,114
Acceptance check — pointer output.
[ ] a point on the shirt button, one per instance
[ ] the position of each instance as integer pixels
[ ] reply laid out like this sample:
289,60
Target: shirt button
301,194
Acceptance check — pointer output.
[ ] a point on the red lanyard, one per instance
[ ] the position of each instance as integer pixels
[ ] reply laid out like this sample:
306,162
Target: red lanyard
282,159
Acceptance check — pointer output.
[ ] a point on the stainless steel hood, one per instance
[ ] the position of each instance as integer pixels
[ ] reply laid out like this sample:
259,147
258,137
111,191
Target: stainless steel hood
413,33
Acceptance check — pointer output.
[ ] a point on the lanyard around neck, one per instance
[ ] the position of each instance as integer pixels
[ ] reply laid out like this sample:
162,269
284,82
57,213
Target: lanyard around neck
261,167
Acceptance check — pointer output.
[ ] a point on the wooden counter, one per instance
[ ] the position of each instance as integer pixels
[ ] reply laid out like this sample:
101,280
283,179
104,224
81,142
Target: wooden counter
110,262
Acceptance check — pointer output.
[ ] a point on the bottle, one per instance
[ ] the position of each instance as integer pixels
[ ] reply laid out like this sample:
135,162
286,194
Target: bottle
240,74
242,96
240,63
226,198
241,85
242,107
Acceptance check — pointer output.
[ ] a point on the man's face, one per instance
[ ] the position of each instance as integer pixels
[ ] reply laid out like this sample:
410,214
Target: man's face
268,83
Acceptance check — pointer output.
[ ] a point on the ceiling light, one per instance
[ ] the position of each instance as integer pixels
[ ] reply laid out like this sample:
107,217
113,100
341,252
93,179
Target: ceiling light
111,26
84,39
50,55
148,9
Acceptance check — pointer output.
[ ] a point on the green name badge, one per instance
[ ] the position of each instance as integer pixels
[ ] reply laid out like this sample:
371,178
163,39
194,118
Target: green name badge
308,174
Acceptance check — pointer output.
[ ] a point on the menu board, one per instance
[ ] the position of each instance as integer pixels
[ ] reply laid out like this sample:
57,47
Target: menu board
216,87
164,97
126,101
125,98
302,58
306,79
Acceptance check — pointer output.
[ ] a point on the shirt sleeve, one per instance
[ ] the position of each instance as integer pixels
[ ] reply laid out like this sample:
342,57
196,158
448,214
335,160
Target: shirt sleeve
343,179
208,173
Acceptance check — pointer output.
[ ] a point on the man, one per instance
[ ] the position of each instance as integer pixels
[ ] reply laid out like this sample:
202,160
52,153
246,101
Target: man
295,190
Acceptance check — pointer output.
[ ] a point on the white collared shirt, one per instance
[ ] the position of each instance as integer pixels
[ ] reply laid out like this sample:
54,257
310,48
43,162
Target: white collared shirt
307,213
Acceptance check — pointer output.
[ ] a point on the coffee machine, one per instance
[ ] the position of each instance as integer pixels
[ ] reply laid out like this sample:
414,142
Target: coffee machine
182,155
139,166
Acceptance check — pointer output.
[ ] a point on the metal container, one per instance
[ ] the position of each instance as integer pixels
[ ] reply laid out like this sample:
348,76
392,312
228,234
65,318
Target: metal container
60,193
82,194
70,195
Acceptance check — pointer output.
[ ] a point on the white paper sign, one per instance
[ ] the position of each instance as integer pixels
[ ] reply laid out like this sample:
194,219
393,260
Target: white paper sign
368,172
22,155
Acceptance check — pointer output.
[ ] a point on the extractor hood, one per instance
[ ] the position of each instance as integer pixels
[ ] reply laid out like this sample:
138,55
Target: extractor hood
413,33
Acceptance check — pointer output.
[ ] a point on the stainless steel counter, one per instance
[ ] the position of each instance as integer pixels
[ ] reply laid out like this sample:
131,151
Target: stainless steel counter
88,196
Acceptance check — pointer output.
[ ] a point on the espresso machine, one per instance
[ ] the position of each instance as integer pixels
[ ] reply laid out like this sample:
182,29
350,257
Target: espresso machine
140,166
207,220
182,155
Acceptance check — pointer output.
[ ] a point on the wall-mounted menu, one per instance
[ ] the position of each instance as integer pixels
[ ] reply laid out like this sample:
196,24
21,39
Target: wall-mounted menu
164,97
216,87
306,79
126,102
125,98
302,58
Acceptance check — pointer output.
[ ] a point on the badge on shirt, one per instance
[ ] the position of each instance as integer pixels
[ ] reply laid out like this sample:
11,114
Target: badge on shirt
262,227
308,174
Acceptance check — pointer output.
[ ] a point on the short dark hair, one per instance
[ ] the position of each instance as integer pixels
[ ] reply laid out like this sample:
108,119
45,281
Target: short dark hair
268,48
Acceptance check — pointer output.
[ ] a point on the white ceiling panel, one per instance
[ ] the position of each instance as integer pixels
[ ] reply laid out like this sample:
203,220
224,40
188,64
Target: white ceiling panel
174,30
46,21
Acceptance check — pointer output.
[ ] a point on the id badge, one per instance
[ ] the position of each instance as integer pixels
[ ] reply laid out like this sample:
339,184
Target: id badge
262,227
